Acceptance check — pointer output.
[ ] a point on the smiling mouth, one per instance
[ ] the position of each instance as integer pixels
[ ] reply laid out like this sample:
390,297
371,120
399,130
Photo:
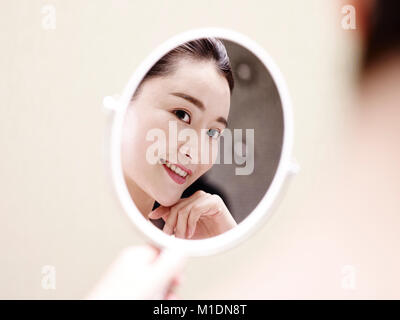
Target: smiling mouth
177,174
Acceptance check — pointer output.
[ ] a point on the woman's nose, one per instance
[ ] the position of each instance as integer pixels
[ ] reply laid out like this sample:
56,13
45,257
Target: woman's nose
185,150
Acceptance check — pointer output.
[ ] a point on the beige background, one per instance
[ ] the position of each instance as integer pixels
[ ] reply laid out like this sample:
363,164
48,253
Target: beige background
57,206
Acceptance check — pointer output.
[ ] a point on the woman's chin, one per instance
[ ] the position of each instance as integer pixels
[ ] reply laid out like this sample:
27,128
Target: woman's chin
168,200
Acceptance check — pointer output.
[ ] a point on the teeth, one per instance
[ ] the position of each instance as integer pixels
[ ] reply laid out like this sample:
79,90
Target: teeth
174,168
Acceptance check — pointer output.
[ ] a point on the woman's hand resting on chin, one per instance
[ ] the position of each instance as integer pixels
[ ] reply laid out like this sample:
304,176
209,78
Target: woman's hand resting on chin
202,215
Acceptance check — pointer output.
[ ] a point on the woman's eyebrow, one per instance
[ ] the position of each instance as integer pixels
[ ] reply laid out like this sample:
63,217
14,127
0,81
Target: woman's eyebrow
198,104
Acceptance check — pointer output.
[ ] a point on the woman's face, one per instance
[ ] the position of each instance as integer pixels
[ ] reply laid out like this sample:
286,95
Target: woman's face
195,95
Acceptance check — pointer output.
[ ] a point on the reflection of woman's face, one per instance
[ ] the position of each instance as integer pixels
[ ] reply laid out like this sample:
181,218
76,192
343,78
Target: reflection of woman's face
170,98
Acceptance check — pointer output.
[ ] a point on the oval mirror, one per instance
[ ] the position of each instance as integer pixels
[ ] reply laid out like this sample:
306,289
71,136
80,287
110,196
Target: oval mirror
201,141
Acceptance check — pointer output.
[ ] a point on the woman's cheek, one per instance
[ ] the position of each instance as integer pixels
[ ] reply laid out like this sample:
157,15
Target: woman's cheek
214,152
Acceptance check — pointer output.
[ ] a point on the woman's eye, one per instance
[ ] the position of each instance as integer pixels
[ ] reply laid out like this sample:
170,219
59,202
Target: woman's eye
214,133
183,115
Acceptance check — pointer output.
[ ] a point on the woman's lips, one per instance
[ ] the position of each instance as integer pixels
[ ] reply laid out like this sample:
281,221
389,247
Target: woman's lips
188,171
174,176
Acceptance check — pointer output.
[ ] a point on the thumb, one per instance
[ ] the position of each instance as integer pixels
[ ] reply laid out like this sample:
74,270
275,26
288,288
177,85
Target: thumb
158,212
169,264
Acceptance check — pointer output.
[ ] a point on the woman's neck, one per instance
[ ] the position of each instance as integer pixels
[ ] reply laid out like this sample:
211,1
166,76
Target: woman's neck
141,199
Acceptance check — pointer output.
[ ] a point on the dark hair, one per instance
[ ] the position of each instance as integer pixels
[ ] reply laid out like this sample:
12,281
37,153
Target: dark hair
384,31
200,49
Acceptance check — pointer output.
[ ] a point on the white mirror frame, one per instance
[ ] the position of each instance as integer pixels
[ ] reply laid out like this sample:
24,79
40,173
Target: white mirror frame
263,210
